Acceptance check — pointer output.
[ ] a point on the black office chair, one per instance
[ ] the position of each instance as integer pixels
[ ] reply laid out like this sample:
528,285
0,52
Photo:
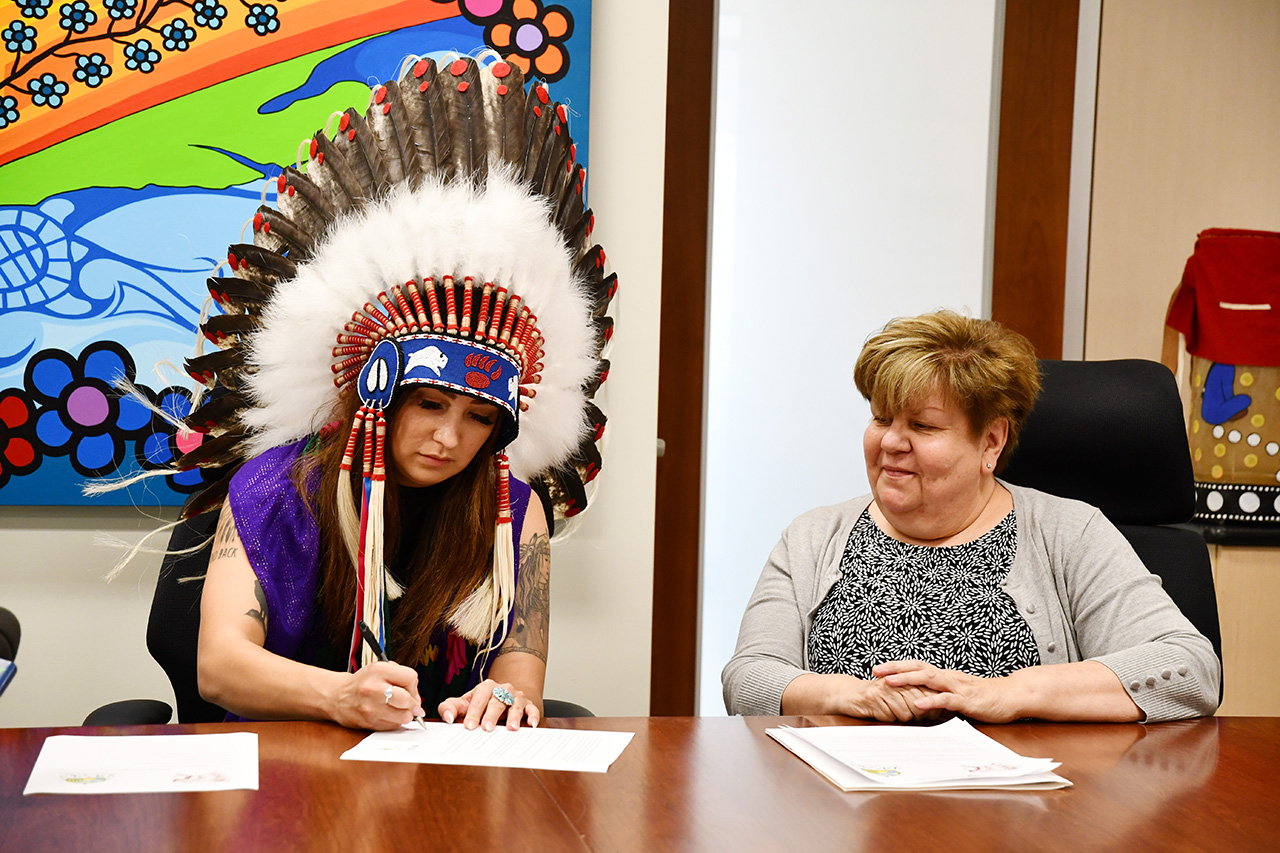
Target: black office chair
173,630
1111,433
10,634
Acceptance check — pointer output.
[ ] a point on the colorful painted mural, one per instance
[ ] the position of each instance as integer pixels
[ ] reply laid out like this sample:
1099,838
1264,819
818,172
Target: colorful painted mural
137,138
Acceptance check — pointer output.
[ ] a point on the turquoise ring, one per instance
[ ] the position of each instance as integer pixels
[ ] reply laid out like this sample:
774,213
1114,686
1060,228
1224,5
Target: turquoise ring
503,695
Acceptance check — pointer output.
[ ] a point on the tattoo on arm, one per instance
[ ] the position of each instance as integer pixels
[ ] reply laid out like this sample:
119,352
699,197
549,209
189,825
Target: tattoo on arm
259,614
226,544
226,541
531,627
505,650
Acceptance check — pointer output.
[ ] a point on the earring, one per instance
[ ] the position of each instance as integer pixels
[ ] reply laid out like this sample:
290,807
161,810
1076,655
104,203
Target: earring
988,465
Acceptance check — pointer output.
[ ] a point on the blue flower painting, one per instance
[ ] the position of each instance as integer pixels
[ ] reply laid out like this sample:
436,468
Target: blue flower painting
137,141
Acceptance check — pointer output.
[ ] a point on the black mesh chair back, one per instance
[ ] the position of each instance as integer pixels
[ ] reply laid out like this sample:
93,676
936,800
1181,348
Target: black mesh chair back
173,627
1111,433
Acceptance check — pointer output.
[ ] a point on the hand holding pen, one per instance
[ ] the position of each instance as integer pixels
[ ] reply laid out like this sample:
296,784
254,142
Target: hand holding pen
381,654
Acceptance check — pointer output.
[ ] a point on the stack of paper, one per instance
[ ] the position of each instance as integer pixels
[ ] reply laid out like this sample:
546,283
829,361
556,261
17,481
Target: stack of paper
534,749
952,755
132,764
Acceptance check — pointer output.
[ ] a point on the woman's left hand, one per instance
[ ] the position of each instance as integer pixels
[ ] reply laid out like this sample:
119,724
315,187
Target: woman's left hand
989,700
479,707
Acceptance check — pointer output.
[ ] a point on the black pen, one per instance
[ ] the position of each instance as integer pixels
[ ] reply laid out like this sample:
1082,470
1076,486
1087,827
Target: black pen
381,654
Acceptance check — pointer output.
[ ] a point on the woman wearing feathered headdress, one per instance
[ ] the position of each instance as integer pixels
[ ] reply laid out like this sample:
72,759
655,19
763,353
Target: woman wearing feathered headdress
424,301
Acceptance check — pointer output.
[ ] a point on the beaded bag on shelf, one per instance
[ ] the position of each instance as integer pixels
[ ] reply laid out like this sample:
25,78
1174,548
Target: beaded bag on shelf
1227,308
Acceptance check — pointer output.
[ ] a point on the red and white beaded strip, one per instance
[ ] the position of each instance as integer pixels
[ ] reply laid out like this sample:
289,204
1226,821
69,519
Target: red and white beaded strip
501,320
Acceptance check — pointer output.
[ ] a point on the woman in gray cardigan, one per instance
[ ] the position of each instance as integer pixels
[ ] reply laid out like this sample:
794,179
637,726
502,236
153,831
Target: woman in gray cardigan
948,591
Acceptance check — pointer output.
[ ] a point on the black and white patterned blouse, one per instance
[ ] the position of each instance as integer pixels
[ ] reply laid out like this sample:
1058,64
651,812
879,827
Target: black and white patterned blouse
942,605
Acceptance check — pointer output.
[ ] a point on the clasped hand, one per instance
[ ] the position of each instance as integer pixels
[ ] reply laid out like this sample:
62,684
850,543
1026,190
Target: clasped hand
988,700
876,699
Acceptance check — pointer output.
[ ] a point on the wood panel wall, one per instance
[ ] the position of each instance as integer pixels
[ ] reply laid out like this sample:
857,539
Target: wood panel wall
682,358
1033,176
1187,122
1186,139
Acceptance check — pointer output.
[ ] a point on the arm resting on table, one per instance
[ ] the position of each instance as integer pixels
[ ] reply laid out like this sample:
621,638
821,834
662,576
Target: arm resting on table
237,673
521,662
1082,691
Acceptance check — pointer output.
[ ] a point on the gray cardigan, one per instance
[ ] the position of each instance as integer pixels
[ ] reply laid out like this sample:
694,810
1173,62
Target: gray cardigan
1075,579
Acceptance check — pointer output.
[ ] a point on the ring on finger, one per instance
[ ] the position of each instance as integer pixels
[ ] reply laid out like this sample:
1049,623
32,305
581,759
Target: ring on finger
387,694
503,695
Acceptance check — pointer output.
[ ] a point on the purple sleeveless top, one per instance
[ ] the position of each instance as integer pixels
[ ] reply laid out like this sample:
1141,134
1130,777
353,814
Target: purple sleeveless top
282,542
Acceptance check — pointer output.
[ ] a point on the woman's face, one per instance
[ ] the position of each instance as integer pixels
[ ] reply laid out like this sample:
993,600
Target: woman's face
926,465
436,433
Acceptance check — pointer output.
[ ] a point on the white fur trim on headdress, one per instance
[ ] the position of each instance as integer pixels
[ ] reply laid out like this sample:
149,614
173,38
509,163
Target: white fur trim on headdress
500,232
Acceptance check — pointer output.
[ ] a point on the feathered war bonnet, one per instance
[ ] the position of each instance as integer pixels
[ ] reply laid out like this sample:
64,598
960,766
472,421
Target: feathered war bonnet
441,238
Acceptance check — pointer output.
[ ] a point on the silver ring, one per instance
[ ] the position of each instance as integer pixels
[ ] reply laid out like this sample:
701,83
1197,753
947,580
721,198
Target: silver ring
387,693
503,695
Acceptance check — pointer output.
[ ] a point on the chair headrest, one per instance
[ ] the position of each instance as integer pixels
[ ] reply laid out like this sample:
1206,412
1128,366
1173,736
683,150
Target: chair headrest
1109,433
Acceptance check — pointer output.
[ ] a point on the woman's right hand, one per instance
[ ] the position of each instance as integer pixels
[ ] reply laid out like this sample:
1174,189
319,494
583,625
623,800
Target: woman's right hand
380,696
237,672
888,704
814,693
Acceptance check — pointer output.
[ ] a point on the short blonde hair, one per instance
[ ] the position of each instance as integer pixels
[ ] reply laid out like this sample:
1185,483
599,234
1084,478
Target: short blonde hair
986,370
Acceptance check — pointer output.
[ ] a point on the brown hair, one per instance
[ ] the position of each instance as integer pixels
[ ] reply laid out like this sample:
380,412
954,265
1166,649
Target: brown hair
439,539
986,370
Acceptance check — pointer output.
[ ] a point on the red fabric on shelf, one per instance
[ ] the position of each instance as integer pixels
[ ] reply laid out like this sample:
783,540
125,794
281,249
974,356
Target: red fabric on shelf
1229,276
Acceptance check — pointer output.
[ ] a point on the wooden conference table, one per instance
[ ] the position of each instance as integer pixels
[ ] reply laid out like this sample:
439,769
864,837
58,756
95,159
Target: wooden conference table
682,784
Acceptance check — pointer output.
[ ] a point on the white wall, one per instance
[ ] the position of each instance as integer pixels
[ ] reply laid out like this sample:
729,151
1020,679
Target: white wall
851,186
83,641
602,577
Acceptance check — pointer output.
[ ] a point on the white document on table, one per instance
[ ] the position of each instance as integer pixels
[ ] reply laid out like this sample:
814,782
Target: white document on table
137,764
532,749
951,755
